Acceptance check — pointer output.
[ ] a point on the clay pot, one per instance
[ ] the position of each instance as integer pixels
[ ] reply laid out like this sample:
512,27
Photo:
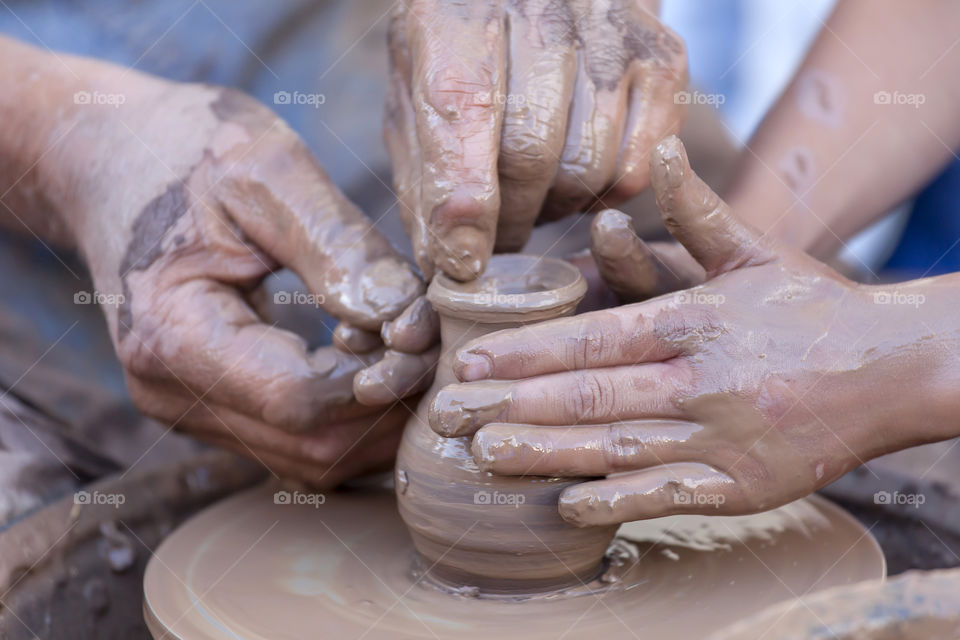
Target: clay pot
474,529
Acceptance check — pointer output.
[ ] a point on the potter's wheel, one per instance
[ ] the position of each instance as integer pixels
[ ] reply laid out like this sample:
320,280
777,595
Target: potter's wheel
249,568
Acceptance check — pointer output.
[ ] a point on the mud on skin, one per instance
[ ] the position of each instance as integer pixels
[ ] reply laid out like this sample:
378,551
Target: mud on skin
754,389
546,106
226,194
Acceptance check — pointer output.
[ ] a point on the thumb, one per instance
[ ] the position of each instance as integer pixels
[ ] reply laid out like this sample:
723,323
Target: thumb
698,218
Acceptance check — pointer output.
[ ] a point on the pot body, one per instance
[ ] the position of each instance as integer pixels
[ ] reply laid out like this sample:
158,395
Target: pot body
472,528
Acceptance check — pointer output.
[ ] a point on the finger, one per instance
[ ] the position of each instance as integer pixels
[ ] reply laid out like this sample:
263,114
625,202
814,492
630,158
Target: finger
607,338
458,56
654,112
633,269
582,450
322,445
369,455
326,457
698,218
542,63
397,376
415,330
350,339
212,345
683,487
623,259
400,136
578,397
594,129
287,205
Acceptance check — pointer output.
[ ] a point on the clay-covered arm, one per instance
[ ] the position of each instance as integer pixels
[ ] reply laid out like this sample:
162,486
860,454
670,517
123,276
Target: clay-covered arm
182,198
769,381
868,119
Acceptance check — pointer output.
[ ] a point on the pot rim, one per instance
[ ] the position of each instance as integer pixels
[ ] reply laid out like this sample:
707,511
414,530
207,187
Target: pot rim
508,290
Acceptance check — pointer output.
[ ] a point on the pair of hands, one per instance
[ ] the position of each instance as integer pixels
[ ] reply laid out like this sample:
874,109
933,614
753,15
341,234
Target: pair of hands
225,193
765,383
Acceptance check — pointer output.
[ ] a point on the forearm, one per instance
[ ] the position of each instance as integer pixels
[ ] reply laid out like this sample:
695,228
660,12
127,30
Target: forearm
909,381
53,109
831,157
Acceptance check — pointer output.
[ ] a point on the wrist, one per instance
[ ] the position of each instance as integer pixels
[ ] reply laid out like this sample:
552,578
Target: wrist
912,366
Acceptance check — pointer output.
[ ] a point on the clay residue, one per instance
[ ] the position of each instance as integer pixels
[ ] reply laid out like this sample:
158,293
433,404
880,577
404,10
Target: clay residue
146,244
270,569
473,528
451,415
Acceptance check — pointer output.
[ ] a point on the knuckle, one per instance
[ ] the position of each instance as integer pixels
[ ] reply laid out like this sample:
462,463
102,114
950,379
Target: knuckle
594,395
591,346
622,447
454,93
522,157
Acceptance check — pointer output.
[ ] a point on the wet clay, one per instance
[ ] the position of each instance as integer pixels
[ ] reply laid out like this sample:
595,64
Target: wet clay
347,568
475,529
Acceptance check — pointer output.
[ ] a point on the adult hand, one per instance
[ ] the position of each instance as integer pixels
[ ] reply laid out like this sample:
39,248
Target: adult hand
772,379
505,112
186,198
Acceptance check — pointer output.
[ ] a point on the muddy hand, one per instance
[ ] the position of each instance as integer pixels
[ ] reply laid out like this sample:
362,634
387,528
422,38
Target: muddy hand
225,193
754,389
505,112
406,369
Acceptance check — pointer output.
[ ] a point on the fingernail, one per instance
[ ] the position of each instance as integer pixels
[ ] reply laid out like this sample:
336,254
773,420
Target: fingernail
462,253
389,285
473,366
669,164
459,410
582,507
369,388
480,448
612,234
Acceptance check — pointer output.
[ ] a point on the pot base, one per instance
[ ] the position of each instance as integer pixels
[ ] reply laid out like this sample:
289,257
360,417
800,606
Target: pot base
253,566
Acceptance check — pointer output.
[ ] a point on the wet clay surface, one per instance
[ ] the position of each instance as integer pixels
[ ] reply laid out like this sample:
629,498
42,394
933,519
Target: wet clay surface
251,568
475,529
914,606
